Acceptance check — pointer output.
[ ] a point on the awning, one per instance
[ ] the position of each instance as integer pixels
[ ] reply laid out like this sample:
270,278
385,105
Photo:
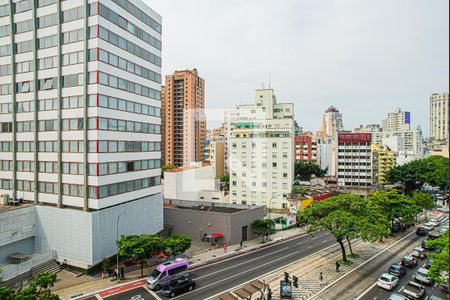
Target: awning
217,235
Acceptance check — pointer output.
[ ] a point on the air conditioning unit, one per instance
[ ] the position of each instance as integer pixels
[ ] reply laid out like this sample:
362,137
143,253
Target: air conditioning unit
4,199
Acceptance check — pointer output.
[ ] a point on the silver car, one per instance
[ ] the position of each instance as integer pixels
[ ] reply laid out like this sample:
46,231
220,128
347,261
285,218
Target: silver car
422,276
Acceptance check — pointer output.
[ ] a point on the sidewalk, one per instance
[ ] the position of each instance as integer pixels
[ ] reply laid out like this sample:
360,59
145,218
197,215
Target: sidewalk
91,284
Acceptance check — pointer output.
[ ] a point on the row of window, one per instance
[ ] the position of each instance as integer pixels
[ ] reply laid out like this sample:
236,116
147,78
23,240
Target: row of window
125,105
139,14
263,185
76,168
123,125
128,66
128,86
123,23
126,187
128,46
253,166
23,5
263,145
48,20
73,14
23,26
78,146
75,102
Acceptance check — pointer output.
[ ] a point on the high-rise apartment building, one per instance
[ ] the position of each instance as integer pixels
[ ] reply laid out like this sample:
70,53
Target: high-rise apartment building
439,117
305,147
262,152
332,122
411,141
354,160
80,120
369,128
184,118
383,160
397,121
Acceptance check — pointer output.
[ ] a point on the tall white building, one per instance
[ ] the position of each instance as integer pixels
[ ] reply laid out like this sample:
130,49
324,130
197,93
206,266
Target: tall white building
410,141
261,152
332,122
439,117
80,120
397,121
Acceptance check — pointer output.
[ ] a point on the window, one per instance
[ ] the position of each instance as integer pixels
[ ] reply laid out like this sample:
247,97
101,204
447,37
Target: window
48,20
48,42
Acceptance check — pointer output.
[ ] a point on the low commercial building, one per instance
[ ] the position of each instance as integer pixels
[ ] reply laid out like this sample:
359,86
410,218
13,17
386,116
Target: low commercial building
231,223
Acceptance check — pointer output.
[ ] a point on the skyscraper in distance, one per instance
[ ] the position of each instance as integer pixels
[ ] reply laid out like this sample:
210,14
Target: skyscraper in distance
184,118
332,122
439,117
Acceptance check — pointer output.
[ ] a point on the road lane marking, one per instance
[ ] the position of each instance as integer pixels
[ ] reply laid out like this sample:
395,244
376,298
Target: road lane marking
299,243
324,241
239,274
401,289
276,270
242,263
309,247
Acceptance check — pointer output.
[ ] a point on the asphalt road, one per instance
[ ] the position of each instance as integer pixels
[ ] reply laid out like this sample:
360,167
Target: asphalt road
222,276
129,294
361,284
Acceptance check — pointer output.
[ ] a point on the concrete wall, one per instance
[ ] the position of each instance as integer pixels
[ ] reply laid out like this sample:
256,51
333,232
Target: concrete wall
186,184
195,223
17,224
25,246
85,239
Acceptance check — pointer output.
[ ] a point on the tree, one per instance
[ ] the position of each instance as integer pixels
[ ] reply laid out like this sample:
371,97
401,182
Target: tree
166,168
394,206
304,170
439,268
262,227
140,247
423,200
177,244
299,190
225,178
39,289
432,170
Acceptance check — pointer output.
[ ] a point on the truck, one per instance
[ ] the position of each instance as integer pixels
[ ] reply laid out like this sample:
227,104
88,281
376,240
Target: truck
413,290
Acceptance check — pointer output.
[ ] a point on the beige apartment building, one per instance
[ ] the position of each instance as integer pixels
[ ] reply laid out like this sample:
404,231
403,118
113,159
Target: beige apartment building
439,116
184,118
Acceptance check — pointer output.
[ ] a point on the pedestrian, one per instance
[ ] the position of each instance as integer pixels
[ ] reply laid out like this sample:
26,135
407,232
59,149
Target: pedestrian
267,235
225,248
337,266
269,294
122,273
321,276
242,243
115,274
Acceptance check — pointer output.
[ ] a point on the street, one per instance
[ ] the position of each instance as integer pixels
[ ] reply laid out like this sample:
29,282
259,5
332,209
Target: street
361,284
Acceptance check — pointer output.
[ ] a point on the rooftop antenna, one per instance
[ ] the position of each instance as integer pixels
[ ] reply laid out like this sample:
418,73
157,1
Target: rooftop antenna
270,81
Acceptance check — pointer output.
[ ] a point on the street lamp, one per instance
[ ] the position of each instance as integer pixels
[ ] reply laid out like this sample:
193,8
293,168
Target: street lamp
117,244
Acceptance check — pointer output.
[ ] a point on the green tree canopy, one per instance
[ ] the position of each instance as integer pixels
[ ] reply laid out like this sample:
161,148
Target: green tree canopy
262,227
432,170
304,170
140,247
177,244
423,200
225,178
39,289
439,268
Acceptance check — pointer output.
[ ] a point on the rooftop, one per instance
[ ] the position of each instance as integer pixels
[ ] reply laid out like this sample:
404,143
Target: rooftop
5,208
212,207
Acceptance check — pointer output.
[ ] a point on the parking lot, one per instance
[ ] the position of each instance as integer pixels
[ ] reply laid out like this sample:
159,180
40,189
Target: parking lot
375,292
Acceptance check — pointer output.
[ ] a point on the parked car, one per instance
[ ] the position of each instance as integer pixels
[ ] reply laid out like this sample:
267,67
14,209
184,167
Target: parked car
414,290
421,231
422,276
396,296
444,288
426,247
397,270
428,226
422,252
435,235
435,222
428,264
387,281
178,286
409,262
166,272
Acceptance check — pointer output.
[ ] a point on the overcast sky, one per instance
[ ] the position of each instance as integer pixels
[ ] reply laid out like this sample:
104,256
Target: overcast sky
366,57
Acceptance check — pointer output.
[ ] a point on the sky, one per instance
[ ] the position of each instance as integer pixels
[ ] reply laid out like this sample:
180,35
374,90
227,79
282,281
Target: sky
364,57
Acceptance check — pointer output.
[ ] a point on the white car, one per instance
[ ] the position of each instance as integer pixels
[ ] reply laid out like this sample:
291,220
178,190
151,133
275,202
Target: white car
434,223
422,276
428,226
387,281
